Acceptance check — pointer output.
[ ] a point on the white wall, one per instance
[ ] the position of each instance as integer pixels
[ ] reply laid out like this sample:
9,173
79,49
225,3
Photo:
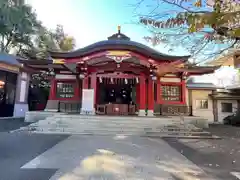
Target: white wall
222,115
204,113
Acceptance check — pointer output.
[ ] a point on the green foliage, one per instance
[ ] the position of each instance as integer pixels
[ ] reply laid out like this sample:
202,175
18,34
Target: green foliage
18,23
55,40
20,30
223,14
204,28
64,42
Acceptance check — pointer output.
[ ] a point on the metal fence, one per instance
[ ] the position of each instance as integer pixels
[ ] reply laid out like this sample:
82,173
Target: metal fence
69,107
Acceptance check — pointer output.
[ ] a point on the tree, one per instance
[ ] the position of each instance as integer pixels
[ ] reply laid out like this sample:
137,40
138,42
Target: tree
18,23
53,40
64,41
198,25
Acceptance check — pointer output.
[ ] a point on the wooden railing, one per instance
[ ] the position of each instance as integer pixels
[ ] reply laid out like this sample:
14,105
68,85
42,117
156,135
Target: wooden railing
116,109
172,110
69,107
125,109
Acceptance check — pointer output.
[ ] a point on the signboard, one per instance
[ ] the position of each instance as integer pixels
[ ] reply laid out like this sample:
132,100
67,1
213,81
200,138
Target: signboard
87,100
58,61
9,67
118,56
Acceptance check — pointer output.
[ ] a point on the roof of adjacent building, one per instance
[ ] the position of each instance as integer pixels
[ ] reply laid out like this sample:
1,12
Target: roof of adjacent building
225,95
9,59
201,86
117,41
225,59
197,85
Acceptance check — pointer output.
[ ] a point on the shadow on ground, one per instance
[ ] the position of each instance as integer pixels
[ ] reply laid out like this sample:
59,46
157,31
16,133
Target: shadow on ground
9,124
224,131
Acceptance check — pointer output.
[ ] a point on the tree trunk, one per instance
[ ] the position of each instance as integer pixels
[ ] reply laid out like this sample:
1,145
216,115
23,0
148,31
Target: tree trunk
2,43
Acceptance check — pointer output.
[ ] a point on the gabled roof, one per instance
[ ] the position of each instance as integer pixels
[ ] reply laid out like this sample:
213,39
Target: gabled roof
118,41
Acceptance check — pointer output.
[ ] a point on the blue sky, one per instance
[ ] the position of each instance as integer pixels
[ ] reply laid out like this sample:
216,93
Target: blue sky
89,21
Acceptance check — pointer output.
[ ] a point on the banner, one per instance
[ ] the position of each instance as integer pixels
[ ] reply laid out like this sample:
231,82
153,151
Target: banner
88,100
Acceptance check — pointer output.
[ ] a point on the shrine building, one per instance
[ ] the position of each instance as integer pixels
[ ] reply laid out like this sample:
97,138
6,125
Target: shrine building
122,76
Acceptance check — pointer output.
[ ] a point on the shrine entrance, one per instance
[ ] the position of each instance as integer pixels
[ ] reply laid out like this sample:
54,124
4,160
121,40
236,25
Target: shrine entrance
116,96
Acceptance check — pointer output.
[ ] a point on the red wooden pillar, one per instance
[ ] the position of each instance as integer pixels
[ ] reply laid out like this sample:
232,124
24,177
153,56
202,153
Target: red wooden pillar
77,89
94,86
52,94
159,92
150,97
85,83
142,96
137,94
183,91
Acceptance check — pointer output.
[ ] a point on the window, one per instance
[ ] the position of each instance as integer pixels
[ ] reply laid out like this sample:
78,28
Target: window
65,90
202,104
226,107
171,93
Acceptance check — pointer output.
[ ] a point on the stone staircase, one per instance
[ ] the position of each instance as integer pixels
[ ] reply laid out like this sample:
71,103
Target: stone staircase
113,125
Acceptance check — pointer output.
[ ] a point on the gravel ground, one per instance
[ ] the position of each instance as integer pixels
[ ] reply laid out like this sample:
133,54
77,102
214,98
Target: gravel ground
218,157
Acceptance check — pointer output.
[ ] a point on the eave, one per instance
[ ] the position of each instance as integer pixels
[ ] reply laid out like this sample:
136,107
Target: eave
225,96
38,65
200,70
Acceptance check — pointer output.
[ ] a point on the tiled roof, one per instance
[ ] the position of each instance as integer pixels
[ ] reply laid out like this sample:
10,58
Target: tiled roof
195,85
117,41
9,59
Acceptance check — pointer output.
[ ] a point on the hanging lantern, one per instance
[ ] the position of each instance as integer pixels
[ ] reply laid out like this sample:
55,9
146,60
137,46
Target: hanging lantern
137,81
111,80
100,79
126,81
2,83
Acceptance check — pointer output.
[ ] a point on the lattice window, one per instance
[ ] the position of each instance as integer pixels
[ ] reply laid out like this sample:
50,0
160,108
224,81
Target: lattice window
65,90
171,93
227,107
202,104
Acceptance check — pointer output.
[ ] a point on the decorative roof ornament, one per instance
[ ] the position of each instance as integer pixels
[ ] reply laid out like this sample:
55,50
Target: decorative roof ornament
119,36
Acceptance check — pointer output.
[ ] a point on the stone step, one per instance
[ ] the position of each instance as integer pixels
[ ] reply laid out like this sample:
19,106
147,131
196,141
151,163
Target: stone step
124,118
113,119
108,121
114,127
104,122
148,130
108,126
103,132
110,117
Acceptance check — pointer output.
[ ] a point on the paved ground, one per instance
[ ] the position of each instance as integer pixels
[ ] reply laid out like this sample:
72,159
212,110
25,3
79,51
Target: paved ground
16,149
41,157
31,156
